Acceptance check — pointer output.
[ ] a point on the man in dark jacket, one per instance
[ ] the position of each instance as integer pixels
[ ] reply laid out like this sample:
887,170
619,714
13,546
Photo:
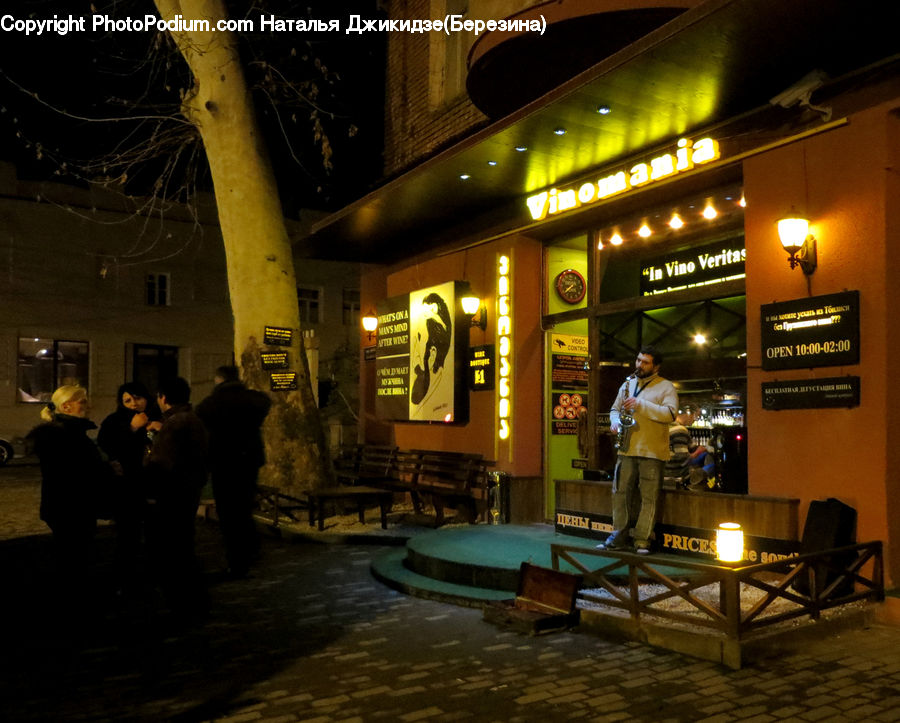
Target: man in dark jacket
177,472
234,415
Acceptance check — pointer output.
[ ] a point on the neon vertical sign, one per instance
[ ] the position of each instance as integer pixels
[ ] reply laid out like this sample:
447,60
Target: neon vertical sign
504,344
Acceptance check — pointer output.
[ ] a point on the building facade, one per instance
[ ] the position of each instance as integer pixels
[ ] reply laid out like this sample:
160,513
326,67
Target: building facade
638,202
98,291
98,288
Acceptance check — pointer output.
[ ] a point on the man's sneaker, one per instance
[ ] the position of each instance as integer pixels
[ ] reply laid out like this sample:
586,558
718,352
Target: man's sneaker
613,542
642,549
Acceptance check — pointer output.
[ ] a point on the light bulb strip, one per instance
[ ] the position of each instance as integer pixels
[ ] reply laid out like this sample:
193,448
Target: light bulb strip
679,221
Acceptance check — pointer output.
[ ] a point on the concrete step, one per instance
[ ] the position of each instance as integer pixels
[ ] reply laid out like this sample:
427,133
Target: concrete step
389,568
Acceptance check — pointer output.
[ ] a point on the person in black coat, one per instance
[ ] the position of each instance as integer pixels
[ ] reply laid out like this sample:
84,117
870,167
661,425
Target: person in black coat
176,474
73,477
234,416
125,437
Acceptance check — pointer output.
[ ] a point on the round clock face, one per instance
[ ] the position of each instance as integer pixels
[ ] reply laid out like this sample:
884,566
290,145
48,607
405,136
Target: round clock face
570,286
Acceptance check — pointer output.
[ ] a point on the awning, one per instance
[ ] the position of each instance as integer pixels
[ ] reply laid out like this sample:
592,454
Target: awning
716,61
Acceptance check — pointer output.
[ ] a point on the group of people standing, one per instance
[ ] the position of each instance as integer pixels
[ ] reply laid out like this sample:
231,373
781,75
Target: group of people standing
146,471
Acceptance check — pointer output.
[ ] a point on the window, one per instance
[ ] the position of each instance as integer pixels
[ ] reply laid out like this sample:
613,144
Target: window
351,307
46,364
158,289
309,300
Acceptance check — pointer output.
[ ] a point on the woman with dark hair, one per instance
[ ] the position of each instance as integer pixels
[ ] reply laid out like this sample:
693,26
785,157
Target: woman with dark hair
125,437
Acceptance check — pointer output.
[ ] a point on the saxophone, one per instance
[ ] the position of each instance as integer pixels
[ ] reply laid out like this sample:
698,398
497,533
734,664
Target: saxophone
626,422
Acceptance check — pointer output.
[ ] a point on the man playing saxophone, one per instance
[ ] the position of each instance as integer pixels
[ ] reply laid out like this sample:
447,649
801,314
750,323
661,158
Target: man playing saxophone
651,402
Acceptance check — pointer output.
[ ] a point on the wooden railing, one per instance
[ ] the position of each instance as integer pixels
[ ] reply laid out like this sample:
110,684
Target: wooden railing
828,579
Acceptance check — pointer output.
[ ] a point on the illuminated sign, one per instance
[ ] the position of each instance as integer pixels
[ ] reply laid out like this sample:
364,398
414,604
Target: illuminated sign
702,266
817,331
277,335
274,359
481,368
688,154
420,356
504,350
283,381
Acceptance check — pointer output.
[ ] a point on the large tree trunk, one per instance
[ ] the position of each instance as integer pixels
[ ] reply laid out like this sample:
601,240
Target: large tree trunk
257,250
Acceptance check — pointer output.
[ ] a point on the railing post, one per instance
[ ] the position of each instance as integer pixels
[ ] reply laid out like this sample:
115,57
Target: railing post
730,602
635,592
816,585
878,572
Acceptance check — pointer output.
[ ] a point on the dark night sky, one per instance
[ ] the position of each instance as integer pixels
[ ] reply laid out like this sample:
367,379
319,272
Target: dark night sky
107,75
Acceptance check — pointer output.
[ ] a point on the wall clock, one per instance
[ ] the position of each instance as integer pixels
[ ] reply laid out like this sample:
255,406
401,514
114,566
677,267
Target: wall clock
571,286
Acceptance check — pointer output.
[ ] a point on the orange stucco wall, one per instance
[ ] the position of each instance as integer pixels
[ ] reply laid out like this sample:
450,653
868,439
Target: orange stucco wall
842,181
478,266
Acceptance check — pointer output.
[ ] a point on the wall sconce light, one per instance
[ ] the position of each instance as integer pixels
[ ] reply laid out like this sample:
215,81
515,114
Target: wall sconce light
729,542
370,323
473,306
800,244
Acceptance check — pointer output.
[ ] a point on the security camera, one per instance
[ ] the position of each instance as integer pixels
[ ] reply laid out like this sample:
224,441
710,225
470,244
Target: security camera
801,91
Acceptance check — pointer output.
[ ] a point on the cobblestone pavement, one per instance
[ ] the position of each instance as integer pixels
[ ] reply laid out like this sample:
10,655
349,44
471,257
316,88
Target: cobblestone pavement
311,636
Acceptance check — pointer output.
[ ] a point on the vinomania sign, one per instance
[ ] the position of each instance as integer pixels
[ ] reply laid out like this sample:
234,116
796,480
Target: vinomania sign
687,155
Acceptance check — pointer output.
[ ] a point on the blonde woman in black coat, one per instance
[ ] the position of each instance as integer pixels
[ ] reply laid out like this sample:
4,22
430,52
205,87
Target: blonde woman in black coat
73,476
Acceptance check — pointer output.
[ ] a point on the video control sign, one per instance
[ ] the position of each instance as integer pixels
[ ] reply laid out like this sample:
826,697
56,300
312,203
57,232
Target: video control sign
819,331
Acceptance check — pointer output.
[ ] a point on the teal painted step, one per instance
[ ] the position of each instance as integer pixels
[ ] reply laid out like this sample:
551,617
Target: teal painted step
487,556
388,567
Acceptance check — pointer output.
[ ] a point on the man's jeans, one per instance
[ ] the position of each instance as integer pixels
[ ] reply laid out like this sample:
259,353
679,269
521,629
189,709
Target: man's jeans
635,496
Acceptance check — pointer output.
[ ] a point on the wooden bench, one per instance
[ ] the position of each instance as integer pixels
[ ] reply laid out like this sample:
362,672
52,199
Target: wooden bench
446,479
452,479
363,496
354,467
367,464
346,463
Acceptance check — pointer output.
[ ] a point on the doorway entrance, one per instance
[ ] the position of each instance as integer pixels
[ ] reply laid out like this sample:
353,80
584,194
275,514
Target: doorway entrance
151,363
